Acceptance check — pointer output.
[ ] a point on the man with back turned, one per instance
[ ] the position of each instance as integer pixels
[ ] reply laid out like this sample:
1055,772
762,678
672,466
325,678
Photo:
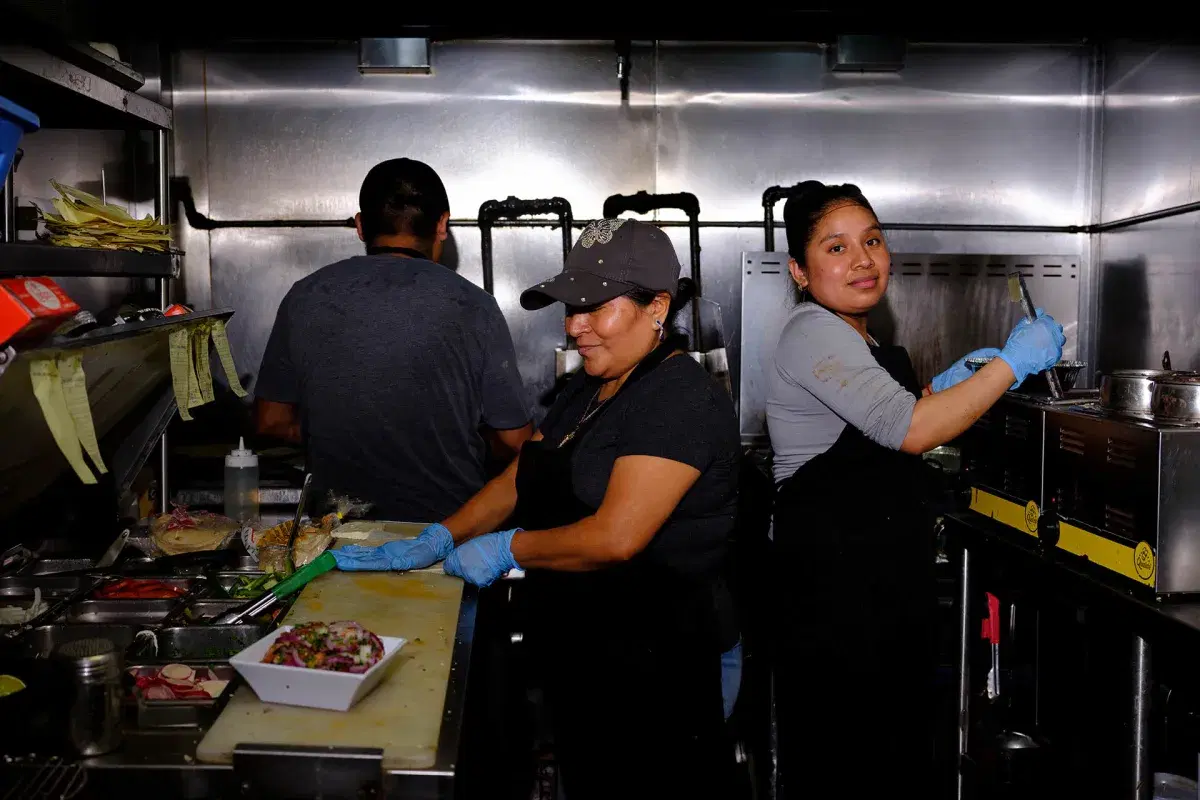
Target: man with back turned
391,368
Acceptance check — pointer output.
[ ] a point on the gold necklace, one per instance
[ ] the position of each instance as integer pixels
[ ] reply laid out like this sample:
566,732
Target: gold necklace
588,413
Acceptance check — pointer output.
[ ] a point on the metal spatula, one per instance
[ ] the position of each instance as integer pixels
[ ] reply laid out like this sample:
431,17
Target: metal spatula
1020,294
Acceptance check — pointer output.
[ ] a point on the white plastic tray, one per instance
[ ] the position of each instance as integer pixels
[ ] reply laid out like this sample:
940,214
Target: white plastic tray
312,688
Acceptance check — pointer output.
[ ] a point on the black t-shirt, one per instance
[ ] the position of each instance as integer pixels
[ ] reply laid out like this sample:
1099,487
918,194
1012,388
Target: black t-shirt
395,363
677,412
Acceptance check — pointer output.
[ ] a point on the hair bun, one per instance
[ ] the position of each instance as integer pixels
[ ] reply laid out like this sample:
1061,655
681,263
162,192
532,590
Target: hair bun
685,290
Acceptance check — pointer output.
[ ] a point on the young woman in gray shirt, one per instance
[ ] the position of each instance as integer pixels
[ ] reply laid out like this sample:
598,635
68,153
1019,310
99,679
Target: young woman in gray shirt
848,422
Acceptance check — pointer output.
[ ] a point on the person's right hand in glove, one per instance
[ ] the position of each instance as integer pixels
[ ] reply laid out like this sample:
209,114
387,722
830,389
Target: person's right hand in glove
431,546
1033,346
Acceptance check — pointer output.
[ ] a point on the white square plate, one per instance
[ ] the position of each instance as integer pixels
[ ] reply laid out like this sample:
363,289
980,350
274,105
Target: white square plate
312,688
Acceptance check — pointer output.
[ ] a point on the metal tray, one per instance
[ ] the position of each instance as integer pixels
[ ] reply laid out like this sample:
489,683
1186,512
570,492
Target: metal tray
200,612
49,566
23,587
187,584
109,612
205,643
42,641
179,713
218,588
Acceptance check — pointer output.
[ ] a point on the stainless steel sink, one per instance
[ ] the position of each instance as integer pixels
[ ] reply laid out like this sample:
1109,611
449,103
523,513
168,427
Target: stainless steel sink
128,612
42,641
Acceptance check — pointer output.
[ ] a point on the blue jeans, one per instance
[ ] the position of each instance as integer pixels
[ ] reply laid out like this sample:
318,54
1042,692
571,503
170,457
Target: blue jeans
731,677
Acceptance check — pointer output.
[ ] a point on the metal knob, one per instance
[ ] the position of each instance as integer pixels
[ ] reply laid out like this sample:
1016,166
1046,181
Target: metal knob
1047,527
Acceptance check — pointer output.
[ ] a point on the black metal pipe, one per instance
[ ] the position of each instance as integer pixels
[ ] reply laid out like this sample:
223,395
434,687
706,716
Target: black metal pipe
1127,222
644,203
776,193
493,211
182,189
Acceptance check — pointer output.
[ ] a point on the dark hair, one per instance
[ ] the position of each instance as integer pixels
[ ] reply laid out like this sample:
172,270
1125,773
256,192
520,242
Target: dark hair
803,211
684,292
402,196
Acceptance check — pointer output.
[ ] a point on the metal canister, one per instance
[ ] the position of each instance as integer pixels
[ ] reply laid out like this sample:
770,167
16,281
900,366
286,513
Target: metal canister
94,722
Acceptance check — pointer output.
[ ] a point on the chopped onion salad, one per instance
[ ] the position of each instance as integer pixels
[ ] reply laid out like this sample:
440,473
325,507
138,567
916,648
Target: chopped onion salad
337,646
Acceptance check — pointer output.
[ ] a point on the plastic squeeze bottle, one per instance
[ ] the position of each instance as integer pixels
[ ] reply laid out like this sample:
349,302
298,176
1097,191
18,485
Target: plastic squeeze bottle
241,484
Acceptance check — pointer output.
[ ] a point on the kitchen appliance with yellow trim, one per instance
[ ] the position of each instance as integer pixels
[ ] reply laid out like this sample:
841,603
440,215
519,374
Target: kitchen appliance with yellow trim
1124,493
1004,455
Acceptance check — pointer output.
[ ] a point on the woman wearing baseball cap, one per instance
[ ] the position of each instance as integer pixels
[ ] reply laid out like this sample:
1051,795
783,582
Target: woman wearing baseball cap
620,509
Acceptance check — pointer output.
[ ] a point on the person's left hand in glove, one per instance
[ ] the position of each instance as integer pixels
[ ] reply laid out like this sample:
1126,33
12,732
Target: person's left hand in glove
432,545
484,559
959,371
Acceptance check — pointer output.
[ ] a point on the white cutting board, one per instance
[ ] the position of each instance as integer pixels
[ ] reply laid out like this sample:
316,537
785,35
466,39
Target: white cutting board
403,715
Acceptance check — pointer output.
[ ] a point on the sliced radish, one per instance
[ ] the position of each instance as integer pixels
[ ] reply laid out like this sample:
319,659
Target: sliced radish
178,673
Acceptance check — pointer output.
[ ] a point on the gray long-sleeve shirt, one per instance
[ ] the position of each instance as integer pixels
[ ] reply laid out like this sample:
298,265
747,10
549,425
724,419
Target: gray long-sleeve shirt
824,378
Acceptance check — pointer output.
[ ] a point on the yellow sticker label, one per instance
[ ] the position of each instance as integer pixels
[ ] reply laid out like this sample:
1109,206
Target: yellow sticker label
1031,516
1143,560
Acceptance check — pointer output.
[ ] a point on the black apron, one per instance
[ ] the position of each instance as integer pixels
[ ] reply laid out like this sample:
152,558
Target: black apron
627,656
855,651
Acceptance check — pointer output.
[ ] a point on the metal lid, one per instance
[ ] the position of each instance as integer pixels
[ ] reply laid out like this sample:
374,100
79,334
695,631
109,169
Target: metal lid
1153,374
91,657
1179,378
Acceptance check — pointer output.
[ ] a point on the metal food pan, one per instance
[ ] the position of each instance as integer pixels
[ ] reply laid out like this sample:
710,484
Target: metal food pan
49,566
203,612
42,641
179,713
24,586
222,582
186,584
129,612
206,643
1067,372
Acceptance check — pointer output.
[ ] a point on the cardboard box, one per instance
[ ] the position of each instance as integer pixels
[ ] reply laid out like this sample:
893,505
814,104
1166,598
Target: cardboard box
30,308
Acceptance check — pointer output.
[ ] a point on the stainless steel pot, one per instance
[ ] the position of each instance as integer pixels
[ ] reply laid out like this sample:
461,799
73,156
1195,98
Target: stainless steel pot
1176,398
1130,391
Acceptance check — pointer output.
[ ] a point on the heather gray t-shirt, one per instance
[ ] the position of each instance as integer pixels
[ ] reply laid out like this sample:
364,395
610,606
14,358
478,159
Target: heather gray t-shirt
823,377
395,364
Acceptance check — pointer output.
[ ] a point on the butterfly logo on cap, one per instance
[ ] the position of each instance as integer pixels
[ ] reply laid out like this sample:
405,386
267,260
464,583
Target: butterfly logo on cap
600,231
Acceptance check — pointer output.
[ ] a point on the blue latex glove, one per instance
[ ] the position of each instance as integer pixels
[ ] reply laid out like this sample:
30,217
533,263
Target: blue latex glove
959,371
1033,347
432,545
483,559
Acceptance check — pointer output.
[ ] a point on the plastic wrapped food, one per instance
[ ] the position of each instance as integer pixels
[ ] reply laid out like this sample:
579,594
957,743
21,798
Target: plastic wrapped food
337,646
310,543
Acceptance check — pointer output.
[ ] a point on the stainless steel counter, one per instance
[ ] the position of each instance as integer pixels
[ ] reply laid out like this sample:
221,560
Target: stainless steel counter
162,761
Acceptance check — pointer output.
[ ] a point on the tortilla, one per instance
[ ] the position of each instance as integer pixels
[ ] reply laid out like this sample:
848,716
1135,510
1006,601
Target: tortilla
180,532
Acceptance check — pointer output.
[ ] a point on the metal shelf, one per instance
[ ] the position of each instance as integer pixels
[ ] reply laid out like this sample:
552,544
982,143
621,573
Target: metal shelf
34,258
64,95
114,333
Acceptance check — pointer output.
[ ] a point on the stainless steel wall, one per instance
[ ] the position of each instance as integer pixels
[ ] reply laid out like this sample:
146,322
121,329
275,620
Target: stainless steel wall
1149,288
989,134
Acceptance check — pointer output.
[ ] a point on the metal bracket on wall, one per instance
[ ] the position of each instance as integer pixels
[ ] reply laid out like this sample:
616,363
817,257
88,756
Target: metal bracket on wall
273,771
493,211
644,203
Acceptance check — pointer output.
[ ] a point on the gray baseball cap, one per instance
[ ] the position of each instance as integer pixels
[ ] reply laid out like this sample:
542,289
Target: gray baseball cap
612,257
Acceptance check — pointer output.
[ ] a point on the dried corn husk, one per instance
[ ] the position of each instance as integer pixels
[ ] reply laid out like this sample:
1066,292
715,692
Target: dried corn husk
84,220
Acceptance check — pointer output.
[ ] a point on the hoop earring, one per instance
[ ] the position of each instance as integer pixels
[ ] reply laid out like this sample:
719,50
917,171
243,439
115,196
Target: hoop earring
662,334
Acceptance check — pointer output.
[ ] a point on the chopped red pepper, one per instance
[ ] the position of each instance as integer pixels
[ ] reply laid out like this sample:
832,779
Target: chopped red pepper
139,589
